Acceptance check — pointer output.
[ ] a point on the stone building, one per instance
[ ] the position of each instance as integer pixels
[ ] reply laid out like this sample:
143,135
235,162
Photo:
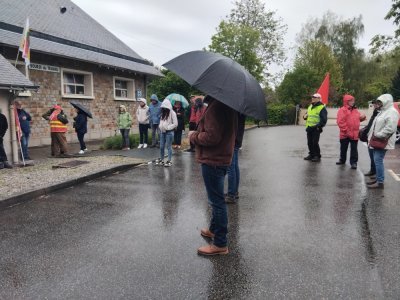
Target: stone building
73,57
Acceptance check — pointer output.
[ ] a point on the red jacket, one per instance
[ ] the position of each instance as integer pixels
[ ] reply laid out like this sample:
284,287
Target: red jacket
348,119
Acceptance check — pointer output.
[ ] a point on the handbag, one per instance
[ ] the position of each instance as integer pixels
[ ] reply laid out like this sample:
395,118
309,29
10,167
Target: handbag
363,134
378,143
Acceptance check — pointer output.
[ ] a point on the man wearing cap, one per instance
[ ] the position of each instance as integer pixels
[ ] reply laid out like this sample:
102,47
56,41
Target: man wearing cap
58,127
316,118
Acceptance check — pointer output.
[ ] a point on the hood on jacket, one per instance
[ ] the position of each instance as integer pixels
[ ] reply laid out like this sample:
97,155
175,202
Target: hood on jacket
387,101
154,97
166,104
346,99
142,100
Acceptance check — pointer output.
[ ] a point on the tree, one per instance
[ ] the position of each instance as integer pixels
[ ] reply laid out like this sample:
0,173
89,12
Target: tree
253,14
239,42
168,84
395,87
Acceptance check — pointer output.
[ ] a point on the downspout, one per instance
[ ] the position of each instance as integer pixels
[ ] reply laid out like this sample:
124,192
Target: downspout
14,144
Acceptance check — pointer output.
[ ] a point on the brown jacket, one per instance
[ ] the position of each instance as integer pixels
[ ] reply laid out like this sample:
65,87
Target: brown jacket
215,136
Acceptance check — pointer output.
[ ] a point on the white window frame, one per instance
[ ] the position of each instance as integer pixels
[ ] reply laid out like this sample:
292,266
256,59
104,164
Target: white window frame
131,89
88,86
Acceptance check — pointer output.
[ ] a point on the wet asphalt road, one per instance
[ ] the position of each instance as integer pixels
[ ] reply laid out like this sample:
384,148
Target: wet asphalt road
301,230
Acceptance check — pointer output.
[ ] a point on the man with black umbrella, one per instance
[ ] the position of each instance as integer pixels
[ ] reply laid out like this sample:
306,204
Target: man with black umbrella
215,141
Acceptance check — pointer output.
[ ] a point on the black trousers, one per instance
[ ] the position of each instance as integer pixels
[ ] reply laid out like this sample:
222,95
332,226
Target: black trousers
81,137
178,137
143,133
344,145
313,142
3,155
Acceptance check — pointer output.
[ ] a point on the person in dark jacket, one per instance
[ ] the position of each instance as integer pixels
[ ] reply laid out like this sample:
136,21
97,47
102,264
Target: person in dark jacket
196,111
233,171
80,125
316,117
214,140
180,114
3,129
25,123
372,170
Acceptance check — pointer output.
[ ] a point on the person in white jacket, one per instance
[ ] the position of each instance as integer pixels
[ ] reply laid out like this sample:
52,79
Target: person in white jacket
384,127
143,116
168,123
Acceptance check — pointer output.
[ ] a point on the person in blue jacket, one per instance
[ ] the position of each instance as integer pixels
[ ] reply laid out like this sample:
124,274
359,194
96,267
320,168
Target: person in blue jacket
25,123
80,125
155,115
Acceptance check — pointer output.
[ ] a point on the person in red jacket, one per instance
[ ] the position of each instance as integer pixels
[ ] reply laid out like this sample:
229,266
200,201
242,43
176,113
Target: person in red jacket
348,120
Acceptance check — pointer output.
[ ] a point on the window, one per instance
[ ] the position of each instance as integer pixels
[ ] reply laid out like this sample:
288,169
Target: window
124,89
76,84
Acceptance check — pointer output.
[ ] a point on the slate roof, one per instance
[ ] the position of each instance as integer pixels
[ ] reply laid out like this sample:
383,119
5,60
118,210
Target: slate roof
71,28
10,77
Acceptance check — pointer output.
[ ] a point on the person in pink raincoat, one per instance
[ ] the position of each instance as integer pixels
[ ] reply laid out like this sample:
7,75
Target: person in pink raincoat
348,120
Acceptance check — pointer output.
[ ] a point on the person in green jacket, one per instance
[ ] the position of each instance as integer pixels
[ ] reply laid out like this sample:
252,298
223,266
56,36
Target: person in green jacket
124,123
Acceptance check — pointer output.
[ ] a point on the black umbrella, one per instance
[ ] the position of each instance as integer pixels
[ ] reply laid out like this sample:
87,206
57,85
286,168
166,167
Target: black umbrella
82,108
223,79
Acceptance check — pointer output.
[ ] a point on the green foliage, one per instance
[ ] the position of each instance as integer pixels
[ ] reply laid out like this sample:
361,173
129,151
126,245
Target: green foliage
298,85
168,84
239,42
281,114
115,142
395,86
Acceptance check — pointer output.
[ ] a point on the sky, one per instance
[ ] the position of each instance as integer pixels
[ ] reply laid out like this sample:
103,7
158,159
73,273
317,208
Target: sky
160,30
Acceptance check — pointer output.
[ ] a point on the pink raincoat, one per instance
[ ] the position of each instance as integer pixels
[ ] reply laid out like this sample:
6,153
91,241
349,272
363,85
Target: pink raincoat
348,119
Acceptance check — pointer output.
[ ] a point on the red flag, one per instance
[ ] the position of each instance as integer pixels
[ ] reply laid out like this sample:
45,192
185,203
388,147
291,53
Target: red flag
324,89
17,124
24,46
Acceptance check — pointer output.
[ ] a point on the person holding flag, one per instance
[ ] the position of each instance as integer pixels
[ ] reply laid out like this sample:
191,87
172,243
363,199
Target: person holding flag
316,118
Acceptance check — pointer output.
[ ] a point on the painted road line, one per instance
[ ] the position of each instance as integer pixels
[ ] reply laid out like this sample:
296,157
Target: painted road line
394,175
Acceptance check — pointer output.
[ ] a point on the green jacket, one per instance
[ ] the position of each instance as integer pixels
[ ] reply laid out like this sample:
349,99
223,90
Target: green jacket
124,120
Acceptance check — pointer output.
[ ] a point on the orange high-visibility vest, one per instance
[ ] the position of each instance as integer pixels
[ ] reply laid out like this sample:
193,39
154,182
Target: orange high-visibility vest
55,124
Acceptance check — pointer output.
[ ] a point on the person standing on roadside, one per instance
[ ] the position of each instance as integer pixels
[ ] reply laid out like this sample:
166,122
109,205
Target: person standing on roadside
58,128
348,120
316,118
124,123
372,169
215,140
3,129
155,114
142,116
180,114
80,125
196,112
25,123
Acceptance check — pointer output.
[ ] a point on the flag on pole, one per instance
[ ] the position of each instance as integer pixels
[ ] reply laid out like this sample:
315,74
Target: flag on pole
324,89
24,46
17,124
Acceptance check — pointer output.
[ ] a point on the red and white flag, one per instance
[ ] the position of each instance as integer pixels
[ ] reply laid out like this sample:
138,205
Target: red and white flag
24,46
324,89
17,124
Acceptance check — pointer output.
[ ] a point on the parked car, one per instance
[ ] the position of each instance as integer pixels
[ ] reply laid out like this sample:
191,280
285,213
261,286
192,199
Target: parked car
397,106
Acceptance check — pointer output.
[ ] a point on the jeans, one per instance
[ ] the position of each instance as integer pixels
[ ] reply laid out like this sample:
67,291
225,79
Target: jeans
125,138
166,141
81,136
379,155
24,145
214,182
155,133
371,156
143,133
178,137
344,145
313,142
234,174
3,155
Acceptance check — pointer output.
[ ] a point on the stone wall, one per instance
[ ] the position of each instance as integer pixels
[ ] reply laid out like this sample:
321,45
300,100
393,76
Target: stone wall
103,107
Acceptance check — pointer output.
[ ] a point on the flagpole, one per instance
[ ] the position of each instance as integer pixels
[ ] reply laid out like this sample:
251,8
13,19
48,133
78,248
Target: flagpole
16,61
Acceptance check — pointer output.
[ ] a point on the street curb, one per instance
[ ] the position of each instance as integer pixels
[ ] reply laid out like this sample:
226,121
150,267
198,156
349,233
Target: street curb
25,197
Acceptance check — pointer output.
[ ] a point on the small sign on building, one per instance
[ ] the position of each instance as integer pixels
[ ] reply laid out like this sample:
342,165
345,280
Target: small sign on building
45,68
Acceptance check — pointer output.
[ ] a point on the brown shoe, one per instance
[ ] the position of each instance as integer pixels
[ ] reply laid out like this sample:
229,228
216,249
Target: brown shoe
371,182
377,185
207,233
212,250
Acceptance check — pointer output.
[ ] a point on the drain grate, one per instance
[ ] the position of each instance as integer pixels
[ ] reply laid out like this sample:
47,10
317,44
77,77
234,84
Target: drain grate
71,164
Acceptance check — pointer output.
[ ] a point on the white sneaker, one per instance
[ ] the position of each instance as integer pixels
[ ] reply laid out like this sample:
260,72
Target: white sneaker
140,146
144,146
86,149
81,152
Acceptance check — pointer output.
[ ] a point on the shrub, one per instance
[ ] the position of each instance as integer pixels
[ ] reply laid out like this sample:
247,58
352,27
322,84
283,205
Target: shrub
115,142
281,114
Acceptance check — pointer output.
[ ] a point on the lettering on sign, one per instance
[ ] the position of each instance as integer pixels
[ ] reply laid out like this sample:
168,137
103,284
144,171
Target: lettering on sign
45,68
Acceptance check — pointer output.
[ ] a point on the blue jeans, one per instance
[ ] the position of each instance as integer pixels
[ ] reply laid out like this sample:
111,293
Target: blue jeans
214,181
234,174
125,138
379,155
371,157
24,144
166,141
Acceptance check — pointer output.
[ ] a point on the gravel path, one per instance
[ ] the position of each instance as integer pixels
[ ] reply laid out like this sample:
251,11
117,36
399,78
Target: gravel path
22,180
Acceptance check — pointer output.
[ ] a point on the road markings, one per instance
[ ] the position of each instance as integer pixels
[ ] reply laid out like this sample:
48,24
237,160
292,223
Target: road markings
394,175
